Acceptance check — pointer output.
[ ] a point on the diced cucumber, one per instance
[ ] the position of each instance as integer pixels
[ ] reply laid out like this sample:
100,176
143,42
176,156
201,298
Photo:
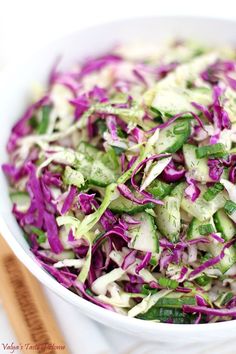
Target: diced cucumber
144,236
172,138
73,177
173,100
178,190
168,215
160,189
88,150
228,260
201,95
201,209
194,229
224,225
101,175
21,199
83,164
168,218
198,168
172,95
111,159
90,164
122,205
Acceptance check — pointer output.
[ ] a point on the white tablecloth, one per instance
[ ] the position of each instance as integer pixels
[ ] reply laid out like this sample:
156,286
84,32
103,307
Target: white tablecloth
25,24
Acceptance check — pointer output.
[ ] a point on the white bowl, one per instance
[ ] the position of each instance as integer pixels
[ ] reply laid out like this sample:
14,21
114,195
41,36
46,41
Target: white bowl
15,87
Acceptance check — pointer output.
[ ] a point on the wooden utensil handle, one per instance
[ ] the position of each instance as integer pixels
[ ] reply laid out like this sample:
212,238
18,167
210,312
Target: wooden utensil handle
27,308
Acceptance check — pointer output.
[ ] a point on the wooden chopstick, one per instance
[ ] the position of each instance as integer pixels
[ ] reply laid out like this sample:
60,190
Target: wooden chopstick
27,308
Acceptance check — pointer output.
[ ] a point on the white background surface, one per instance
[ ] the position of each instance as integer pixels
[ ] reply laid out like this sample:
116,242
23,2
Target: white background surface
27,24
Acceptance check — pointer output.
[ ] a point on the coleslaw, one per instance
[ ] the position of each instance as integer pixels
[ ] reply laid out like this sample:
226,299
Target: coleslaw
122,176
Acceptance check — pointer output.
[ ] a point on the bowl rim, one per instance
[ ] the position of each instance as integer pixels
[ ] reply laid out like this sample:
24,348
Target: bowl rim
92,310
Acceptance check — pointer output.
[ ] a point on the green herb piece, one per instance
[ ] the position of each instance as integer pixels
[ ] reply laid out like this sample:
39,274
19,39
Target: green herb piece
203,280
43,125
160,189
146,290
40,233
209,150
33,122
153,261
168,283
212,192
206,229
174,315
230,207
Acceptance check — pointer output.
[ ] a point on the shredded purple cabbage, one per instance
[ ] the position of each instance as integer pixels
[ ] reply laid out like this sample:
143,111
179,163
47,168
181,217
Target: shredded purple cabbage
172,174
192,191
